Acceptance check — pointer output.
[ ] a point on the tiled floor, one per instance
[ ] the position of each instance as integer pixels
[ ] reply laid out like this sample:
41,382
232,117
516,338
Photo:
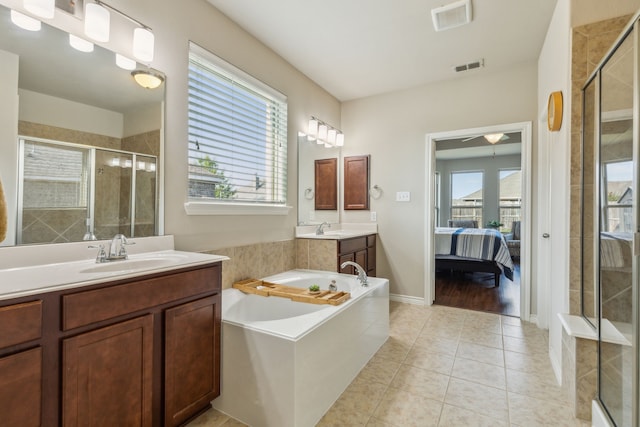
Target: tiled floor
450,367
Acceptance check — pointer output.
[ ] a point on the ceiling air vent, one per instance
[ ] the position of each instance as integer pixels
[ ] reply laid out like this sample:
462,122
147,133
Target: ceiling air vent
470,66
451,15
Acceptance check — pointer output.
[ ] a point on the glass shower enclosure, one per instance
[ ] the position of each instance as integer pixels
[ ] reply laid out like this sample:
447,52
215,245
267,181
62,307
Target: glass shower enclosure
70,192
610,153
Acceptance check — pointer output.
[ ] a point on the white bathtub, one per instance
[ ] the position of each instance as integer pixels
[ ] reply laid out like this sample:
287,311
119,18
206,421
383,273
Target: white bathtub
285,363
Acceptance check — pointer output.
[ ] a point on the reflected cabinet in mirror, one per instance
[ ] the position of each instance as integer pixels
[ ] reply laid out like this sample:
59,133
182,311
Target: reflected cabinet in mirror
609,220
91,140
318,179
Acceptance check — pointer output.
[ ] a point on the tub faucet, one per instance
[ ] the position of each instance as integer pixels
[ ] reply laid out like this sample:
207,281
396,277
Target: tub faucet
362,275
320,228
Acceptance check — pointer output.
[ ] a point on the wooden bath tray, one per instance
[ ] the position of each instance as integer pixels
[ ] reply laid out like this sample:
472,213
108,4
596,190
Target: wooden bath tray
266,289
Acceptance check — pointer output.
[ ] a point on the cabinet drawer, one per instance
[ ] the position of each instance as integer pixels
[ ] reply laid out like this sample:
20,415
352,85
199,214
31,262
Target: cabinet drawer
92,306
20,323
352,245
371,241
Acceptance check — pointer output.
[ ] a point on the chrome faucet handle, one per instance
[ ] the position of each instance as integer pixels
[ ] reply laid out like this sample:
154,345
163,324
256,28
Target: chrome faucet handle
117,248
102,255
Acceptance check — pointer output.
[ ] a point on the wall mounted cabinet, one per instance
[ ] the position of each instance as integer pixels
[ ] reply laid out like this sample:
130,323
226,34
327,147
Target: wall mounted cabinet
356,182
326,184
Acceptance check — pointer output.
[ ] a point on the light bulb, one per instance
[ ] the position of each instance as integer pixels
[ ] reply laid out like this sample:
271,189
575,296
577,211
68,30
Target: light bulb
80,44
125,63
96,22
25,22
143,41
42,8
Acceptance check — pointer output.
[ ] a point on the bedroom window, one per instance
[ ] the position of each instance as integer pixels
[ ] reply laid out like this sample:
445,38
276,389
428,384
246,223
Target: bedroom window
510,200
467,195
237,138
617,178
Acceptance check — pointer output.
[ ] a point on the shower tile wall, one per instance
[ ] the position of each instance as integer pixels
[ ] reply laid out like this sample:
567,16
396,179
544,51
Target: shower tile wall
589,44
46,225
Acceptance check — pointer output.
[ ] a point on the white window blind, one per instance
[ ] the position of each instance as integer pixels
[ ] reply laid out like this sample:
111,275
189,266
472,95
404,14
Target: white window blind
237,135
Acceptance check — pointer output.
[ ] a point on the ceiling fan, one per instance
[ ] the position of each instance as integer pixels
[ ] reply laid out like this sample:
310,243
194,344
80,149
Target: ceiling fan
492,138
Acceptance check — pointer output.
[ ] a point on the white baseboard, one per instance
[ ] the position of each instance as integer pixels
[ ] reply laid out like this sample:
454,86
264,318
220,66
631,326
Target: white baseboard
598,417
556,365
406,299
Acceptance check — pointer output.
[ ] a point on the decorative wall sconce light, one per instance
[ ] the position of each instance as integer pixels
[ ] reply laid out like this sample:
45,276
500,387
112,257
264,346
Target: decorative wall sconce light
148,79
323,133
97,27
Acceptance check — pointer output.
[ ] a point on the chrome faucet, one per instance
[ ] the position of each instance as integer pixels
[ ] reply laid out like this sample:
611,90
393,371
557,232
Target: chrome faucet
320,228
362,275
117,250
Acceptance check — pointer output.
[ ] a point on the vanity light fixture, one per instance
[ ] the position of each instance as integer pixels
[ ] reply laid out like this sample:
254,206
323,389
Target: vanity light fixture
80,44
97,22
25,22
41,8
125,63
324,133
148,79
493,137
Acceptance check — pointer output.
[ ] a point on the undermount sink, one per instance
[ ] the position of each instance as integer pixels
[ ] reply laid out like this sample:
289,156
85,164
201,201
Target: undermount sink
133,264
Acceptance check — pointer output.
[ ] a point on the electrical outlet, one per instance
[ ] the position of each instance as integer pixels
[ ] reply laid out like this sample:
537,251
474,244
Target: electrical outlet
403,196
374,216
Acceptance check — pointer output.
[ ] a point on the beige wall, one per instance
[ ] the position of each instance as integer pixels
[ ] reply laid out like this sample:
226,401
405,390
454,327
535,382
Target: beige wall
392,128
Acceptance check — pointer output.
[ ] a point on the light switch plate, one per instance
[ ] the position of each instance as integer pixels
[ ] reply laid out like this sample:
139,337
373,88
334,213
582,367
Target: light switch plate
403,196
374,216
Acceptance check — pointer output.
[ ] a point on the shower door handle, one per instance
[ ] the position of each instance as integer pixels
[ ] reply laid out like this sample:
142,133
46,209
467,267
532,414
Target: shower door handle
545,235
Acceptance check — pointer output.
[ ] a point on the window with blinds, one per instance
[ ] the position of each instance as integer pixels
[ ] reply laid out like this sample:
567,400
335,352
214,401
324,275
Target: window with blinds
237,135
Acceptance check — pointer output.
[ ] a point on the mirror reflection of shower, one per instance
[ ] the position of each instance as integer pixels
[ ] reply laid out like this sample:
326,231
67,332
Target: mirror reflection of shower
71,192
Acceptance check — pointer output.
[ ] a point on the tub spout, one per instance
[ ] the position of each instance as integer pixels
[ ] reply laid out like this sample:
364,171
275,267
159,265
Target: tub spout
362,275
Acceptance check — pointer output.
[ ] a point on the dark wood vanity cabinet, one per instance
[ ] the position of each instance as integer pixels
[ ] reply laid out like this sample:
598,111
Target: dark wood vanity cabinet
361,250
143,352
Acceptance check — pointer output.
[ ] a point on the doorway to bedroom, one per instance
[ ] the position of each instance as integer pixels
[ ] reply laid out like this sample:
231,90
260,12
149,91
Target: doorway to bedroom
474,233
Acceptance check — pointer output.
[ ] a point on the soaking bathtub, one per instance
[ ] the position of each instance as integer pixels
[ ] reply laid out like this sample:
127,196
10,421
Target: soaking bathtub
285,363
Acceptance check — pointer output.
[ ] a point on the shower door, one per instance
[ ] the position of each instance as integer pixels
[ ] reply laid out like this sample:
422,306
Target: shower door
610,164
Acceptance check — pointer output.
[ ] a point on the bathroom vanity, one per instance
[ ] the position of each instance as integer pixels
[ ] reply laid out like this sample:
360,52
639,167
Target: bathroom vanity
139,348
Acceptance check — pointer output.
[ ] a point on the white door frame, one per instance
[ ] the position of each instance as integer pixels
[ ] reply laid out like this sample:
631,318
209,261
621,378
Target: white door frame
525,128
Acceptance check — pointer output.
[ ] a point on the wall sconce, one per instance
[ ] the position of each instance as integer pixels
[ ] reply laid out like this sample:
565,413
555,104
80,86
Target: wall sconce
97,23
41,8
80,44
323,133
148,79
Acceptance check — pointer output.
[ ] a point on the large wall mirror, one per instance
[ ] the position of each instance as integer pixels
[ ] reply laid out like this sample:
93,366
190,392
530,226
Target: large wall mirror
318,183
85,131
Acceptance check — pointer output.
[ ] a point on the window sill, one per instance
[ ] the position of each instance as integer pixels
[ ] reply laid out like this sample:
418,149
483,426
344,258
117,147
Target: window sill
208,208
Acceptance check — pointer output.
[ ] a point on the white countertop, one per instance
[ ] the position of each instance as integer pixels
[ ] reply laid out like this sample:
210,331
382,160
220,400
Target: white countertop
56,269
336,231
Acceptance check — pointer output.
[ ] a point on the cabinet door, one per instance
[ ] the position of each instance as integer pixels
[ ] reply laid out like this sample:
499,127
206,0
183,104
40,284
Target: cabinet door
356,183
326,183
107,378
192,359
21,389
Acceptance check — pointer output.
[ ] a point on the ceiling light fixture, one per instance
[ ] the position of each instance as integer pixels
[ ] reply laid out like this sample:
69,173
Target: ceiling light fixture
42,8
493,137
25,22
80,44
148,79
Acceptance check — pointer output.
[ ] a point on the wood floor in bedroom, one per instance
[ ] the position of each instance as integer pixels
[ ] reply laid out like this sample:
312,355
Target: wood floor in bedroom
476,291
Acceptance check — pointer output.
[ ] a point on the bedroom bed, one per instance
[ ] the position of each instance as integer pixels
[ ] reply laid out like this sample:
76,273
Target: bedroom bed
473,250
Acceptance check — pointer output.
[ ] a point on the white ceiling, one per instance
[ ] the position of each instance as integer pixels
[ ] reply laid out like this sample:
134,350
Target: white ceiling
358,48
